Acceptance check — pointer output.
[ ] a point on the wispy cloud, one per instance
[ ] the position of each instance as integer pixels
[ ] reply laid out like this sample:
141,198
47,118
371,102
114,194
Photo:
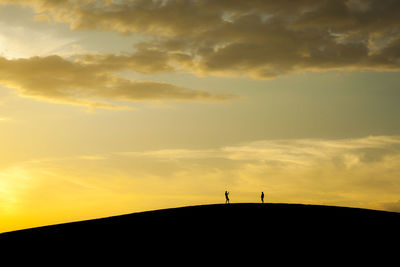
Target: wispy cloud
285,150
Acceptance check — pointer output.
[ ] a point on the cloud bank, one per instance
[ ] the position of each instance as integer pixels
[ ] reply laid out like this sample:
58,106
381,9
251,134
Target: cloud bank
259,39
262,39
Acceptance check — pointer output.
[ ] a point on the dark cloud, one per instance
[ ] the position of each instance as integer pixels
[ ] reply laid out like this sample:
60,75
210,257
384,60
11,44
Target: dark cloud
259,38
56,79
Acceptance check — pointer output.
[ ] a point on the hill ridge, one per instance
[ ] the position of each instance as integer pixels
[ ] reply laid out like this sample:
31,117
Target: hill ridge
325,210
212,231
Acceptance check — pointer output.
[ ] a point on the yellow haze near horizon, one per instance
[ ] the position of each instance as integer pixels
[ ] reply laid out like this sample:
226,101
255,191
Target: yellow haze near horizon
330,172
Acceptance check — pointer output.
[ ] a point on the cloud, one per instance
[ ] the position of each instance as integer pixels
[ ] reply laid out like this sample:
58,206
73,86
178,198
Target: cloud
56,79
352,172
262,39
288,151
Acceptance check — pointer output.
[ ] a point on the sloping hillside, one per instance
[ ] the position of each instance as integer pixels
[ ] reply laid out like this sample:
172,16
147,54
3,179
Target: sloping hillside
243,228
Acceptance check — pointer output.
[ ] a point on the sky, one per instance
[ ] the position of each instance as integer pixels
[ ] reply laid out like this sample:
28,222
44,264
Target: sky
117,106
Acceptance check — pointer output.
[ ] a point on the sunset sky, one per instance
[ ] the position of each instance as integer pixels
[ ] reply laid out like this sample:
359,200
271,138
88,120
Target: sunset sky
116,106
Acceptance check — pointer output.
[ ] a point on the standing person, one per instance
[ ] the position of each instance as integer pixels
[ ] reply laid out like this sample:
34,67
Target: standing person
226,197
262,197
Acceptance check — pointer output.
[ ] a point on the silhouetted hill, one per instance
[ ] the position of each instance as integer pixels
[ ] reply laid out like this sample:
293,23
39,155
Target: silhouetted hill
242,228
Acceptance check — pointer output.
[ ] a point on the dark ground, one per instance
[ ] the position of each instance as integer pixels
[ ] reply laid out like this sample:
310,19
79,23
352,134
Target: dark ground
243,231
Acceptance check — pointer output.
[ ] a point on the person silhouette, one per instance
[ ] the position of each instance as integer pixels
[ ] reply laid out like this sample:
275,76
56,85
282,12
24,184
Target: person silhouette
262,197
226,197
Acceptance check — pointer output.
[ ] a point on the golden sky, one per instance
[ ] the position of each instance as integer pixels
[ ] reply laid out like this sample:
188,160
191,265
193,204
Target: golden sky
116,106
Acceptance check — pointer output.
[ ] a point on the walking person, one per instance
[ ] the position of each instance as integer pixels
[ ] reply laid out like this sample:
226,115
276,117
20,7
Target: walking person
262,197
226,197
